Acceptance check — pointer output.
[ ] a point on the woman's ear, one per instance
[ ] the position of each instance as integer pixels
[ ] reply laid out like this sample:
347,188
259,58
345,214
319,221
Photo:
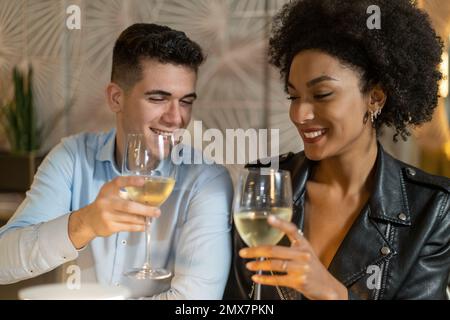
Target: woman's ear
377,98
115,97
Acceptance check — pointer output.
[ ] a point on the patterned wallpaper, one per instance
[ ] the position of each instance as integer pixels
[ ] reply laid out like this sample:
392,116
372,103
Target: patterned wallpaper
237,88
72,67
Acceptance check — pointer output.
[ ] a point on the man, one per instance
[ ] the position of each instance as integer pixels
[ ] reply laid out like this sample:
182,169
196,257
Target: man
74,210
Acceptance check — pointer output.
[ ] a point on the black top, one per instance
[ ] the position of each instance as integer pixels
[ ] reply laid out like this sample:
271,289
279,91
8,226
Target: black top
402,234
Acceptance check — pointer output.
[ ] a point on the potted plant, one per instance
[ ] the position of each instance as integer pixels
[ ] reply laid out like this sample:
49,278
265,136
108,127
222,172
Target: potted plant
18,119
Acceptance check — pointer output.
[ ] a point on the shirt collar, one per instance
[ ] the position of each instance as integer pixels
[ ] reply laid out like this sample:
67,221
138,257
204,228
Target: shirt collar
107,148
106,152
389,200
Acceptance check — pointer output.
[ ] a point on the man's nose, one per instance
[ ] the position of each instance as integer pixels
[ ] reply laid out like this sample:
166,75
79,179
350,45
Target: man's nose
172,115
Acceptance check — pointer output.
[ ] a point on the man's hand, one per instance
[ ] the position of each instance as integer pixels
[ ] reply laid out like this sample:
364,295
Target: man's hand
109,213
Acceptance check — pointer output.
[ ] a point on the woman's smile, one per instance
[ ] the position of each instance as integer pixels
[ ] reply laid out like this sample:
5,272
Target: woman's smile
313,135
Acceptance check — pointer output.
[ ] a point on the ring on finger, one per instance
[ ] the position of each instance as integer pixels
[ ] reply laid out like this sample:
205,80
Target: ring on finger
284,265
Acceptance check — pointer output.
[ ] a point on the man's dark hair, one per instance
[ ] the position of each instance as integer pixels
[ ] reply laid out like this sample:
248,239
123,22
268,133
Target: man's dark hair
151,41
403,56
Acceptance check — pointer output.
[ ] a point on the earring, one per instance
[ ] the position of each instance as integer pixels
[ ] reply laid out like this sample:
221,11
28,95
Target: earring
374,115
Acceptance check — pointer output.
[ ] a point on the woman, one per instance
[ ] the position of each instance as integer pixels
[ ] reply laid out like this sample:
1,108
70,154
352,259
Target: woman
373,227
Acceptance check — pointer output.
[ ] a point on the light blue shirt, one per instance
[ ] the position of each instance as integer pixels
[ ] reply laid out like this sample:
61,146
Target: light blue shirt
191,238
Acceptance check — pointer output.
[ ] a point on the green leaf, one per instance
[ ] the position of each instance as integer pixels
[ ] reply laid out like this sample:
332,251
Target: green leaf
19,117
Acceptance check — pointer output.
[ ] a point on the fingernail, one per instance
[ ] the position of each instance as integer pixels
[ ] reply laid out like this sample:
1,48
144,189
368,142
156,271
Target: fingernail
140,180
255,278
243,252
272,219
248,265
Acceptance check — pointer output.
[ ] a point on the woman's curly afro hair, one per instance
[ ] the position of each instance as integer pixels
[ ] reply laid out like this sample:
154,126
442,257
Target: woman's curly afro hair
402,56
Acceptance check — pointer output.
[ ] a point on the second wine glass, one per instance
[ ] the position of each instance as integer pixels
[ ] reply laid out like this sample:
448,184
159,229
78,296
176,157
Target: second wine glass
259,193
148,155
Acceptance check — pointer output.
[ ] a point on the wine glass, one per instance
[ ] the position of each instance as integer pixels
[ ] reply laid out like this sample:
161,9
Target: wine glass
261,192
148,155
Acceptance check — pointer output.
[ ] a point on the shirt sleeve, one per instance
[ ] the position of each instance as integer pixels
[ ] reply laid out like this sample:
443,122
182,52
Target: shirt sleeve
203,255
36,240
30,251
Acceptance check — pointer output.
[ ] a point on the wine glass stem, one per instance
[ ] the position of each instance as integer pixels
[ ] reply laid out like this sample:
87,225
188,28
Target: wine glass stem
148,224
257,295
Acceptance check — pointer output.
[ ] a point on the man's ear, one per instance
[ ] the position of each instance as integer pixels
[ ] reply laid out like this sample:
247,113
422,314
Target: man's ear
377,98
115,97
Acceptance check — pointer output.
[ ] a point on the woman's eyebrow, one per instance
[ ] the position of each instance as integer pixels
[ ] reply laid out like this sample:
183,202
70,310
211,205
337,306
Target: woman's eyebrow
290,85
315,81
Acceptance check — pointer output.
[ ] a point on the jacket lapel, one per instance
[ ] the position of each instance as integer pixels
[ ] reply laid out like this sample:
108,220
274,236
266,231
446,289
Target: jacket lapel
364,245
369,241
300,169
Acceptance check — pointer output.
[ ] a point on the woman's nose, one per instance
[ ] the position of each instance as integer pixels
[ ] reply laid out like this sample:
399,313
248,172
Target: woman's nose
301,112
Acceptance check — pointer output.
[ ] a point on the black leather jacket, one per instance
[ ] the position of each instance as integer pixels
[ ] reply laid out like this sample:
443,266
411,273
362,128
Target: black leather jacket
397,248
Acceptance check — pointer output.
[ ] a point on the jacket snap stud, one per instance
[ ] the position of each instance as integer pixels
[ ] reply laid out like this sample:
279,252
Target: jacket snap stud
402,216
385,251
411,171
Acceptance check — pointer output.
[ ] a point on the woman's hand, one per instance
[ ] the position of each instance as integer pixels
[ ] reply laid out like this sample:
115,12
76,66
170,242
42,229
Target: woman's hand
304,271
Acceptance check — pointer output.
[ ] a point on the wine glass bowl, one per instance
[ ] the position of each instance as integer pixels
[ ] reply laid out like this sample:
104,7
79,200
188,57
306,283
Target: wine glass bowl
154,191
148,155
254,229
261,192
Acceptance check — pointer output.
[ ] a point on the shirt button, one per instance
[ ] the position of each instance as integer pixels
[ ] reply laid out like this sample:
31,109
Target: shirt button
124,242
411,171
385,251
402,216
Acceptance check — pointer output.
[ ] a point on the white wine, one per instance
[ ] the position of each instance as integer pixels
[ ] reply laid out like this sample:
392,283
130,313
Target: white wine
154,191
254,228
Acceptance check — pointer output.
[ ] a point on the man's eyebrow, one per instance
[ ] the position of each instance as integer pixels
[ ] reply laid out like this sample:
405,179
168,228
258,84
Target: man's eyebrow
190,95
158,92
314,81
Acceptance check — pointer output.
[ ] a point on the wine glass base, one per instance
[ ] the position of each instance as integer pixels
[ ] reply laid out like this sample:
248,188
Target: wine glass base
148,274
